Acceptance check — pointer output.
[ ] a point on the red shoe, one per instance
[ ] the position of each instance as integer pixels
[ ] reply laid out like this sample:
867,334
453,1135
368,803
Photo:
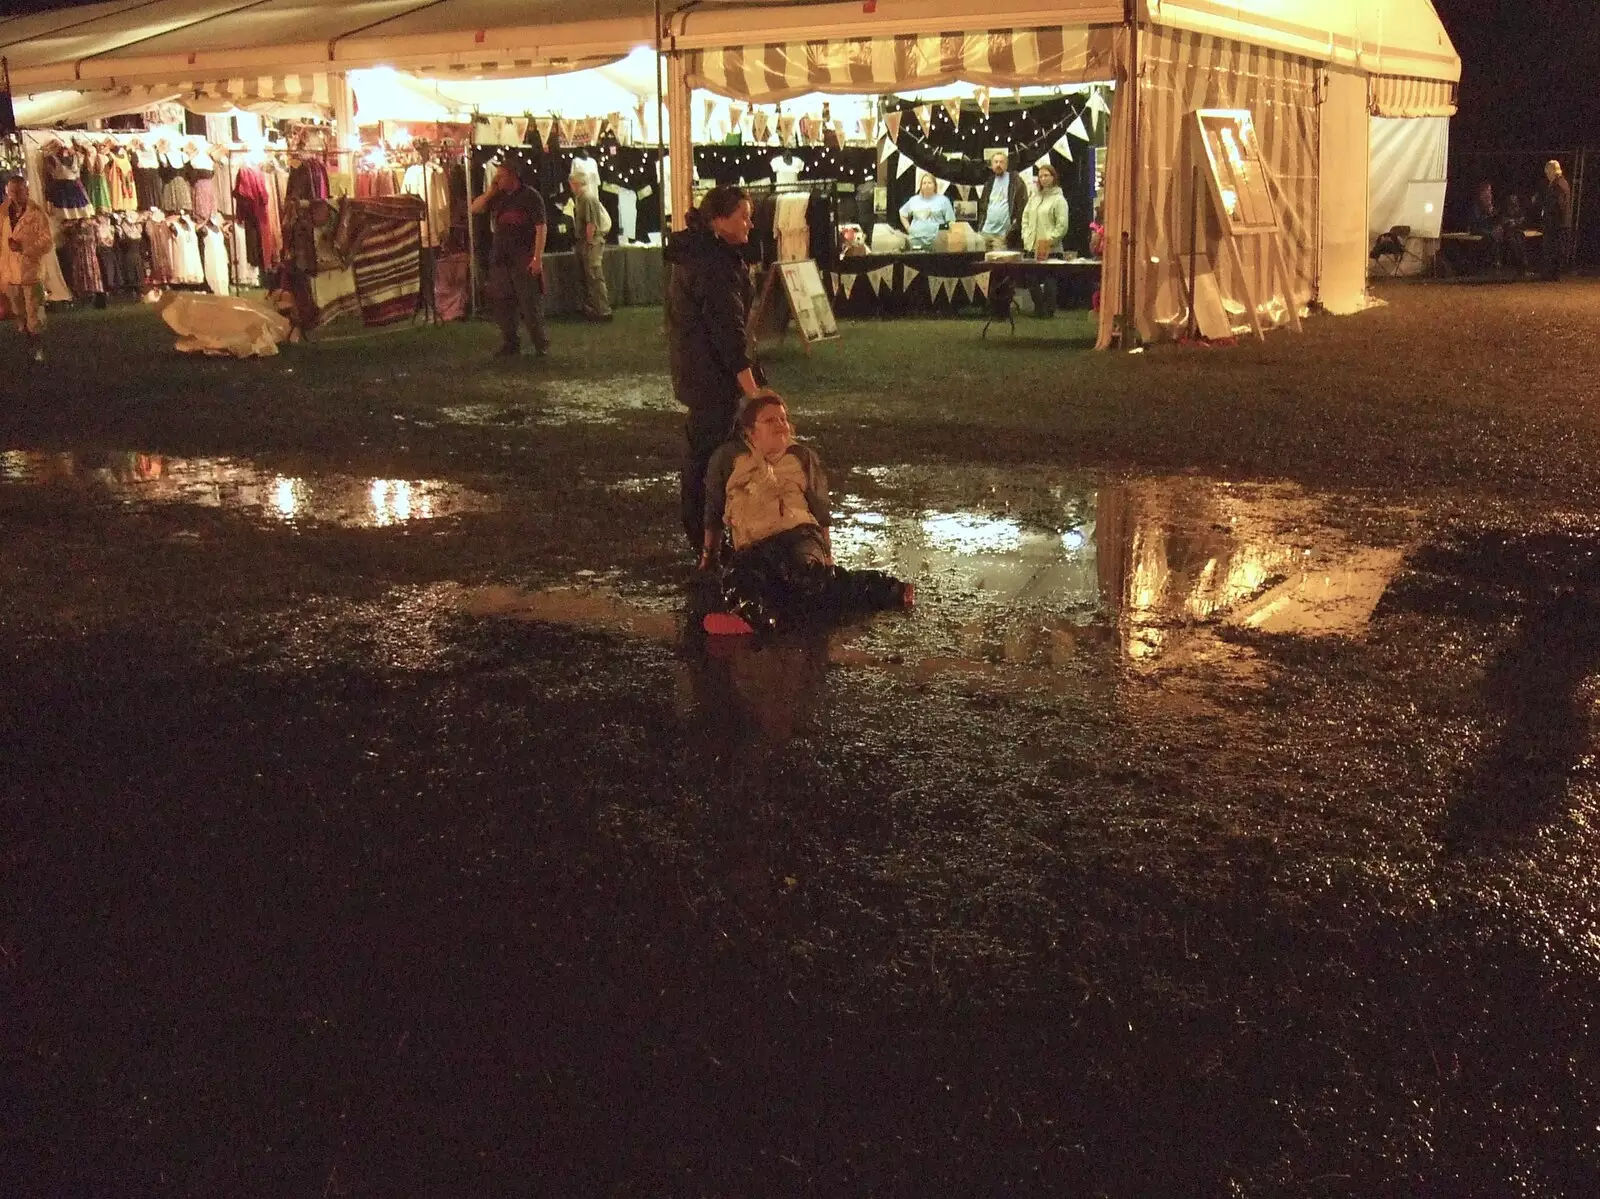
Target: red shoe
725,624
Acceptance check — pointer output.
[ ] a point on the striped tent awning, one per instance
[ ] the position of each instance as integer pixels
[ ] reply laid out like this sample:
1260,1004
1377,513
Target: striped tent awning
996,58
251,91
1404,96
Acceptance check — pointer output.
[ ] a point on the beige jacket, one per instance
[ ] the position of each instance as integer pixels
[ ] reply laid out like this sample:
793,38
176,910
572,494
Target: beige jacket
21,268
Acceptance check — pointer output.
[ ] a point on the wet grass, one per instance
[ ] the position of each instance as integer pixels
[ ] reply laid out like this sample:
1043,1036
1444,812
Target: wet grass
311,883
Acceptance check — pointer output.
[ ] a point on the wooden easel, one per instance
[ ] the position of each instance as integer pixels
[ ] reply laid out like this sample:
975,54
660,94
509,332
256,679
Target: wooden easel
773,308
1261,219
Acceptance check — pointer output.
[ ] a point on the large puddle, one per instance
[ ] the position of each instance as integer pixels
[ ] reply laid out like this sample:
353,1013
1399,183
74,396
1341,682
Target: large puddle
236,484
518,400
1034,590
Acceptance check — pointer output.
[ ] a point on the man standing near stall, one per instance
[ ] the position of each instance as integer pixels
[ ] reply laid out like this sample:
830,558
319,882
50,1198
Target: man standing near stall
590,224
1557,203
516,259
1000,205
25,239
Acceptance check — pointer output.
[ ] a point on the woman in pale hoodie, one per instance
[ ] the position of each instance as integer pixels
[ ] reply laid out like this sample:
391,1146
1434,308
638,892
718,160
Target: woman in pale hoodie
1044,224
25,239
771,494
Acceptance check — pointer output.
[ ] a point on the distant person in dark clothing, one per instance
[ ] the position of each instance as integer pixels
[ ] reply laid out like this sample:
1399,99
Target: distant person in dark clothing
1556,200
708,315
516,259
1485,221
1515,254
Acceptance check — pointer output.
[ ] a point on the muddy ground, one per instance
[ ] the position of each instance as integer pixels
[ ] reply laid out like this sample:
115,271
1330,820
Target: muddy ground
1223,823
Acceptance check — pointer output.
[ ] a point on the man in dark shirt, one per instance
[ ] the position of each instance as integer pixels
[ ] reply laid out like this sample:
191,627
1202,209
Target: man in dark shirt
1557,203
516,258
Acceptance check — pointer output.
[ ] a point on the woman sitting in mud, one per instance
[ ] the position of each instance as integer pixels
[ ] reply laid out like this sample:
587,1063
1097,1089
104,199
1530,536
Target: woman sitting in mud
771,494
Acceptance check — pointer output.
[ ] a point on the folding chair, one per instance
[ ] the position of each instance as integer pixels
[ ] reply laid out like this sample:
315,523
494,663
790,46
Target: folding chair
1393,245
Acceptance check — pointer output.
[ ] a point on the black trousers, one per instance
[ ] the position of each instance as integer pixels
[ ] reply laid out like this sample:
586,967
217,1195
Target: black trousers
786,580
1557,252
513,292
708,426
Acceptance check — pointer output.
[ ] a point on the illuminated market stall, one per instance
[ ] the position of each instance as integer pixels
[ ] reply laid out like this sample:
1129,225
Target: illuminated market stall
1303,88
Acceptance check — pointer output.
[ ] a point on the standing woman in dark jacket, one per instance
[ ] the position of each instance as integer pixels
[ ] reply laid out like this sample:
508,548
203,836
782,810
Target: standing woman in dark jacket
708,313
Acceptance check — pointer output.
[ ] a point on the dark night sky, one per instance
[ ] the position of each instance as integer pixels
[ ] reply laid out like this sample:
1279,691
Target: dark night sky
1528,71
1531,69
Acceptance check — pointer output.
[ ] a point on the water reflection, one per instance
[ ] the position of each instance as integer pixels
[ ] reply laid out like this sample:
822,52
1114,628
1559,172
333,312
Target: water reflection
241,485
1143,572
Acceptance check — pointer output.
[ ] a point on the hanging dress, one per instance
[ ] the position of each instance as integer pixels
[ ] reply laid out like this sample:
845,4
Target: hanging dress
147,179
119,180
214,256
64,187
105,237
175,193
202,184
94,178
83,259
163,252
190,268
131,251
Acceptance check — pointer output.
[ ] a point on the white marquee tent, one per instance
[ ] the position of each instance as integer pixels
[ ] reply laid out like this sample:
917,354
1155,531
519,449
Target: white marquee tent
1314,73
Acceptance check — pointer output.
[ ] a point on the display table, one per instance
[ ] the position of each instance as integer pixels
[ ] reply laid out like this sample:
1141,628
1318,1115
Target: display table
1007,275
633,277
899,284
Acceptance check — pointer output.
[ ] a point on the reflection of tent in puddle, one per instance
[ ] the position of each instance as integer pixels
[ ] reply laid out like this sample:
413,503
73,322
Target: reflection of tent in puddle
1149,570
1174,555
241,485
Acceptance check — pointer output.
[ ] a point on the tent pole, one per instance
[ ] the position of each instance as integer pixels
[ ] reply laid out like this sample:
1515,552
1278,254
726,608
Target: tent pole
1127,337
661,124
344,111
681,138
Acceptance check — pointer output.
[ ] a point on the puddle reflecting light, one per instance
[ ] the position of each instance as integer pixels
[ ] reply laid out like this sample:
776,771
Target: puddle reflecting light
286,497
969,533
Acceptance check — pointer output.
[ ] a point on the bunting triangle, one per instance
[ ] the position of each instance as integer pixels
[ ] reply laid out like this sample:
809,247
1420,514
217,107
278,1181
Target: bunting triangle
952,109
968,286
911,274
981,282
983,100
905,165
1097,101
886,150
1063,147
1077,129
925,117
892,121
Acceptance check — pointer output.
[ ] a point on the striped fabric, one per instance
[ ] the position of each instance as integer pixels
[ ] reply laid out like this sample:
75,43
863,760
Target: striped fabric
259,89
1183,72
996,58
385,251
1397,96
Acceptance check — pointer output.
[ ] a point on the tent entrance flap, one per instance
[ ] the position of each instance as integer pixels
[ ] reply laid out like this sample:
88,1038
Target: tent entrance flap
873,65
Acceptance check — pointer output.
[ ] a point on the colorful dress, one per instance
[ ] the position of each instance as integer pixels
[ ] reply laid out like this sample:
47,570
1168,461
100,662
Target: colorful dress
64,187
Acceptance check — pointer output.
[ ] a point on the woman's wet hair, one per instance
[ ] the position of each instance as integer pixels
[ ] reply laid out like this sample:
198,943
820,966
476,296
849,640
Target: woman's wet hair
756,405
717,204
